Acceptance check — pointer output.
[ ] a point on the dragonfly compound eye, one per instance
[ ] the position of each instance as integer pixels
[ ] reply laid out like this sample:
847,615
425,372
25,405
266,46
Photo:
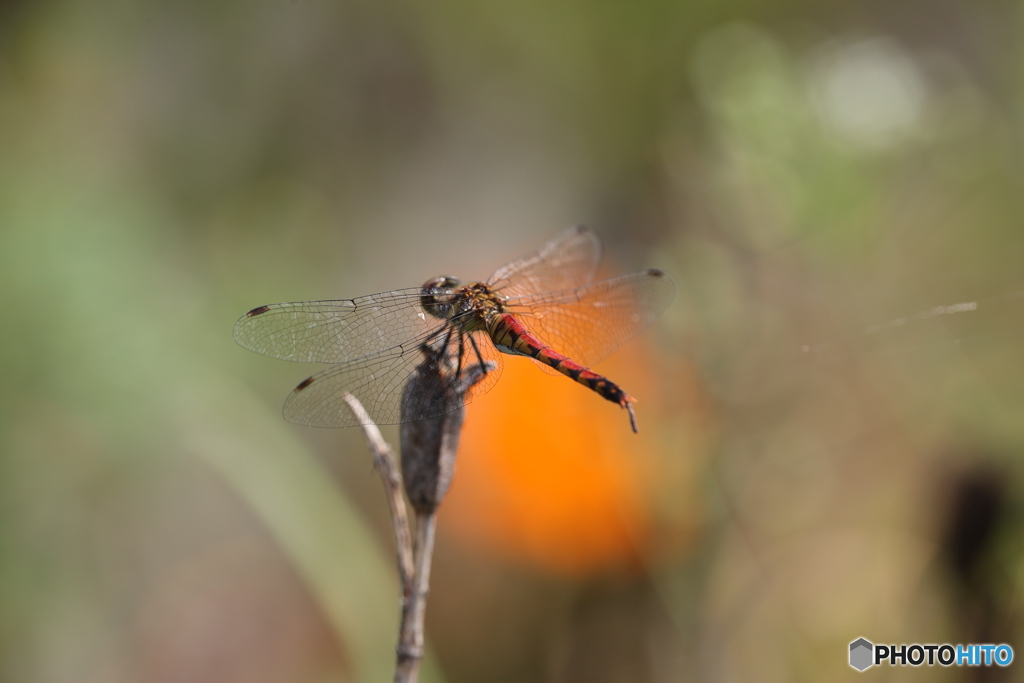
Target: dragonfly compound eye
437,296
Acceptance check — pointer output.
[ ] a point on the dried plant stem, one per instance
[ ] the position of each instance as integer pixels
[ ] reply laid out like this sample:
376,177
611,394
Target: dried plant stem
414,604
413,563
429,447
386,464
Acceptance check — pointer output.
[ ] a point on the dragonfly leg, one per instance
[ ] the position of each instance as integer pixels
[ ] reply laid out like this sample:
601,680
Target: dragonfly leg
462,350
479,356
425,345
438,353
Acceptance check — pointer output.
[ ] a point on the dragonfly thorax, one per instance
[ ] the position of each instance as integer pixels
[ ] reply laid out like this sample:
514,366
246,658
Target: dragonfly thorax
471,304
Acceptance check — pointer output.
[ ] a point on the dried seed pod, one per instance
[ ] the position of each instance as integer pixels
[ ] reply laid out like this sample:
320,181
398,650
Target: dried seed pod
429,446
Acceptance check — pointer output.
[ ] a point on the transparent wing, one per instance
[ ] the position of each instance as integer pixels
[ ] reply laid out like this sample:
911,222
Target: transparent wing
589,323
566,262
377,381
336,331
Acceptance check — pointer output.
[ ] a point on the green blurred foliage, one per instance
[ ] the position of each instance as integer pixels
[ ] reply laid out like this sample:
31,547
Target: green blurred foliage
825,182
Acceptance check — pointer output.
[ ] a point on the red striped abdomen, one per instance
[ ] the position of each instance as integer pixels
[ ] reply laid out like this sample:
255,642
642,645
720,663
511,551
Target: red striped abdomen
511,336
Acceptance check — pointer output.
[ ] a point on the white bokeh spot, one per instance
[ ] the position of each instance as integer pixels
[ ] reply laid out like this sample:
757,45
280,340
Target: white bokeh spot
869,92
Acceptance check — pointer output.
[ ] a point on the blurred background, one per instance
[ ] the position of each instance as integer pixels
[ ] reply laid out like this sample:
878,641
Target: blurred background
831,411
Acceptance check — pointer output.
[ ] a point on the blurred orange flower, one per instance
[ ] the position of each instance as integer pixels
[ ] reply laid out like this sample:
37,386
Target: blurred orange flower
550,473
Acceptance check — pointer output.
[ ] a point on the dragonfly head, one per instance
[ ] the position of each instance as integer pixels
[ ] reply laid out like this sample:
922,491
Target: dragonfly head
437,297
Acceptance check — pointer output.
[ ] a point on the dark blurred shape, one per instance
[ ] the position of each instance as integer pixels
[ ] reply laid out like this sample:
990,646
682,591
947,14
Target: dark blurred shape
978,517
977,508
12,14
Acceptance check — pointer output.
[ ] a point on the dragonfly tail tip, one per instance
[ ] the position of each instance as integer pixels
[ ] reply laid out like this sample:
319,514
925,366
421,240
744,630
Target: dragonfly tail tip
632,416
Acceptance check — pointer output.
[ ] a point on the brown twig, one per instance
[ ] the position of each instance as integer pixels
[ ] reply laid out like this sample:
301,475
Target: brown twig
414,606
385,463
429,447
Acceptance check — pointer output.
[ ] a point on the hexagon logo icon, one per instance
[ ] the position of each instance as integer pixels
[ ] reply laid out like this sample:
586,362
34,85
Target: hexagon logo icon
861,651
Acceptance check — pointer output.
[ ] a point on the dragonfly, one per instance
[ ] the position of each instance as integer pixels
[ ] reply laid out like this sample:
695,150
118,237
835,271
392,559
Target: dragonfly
545,306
